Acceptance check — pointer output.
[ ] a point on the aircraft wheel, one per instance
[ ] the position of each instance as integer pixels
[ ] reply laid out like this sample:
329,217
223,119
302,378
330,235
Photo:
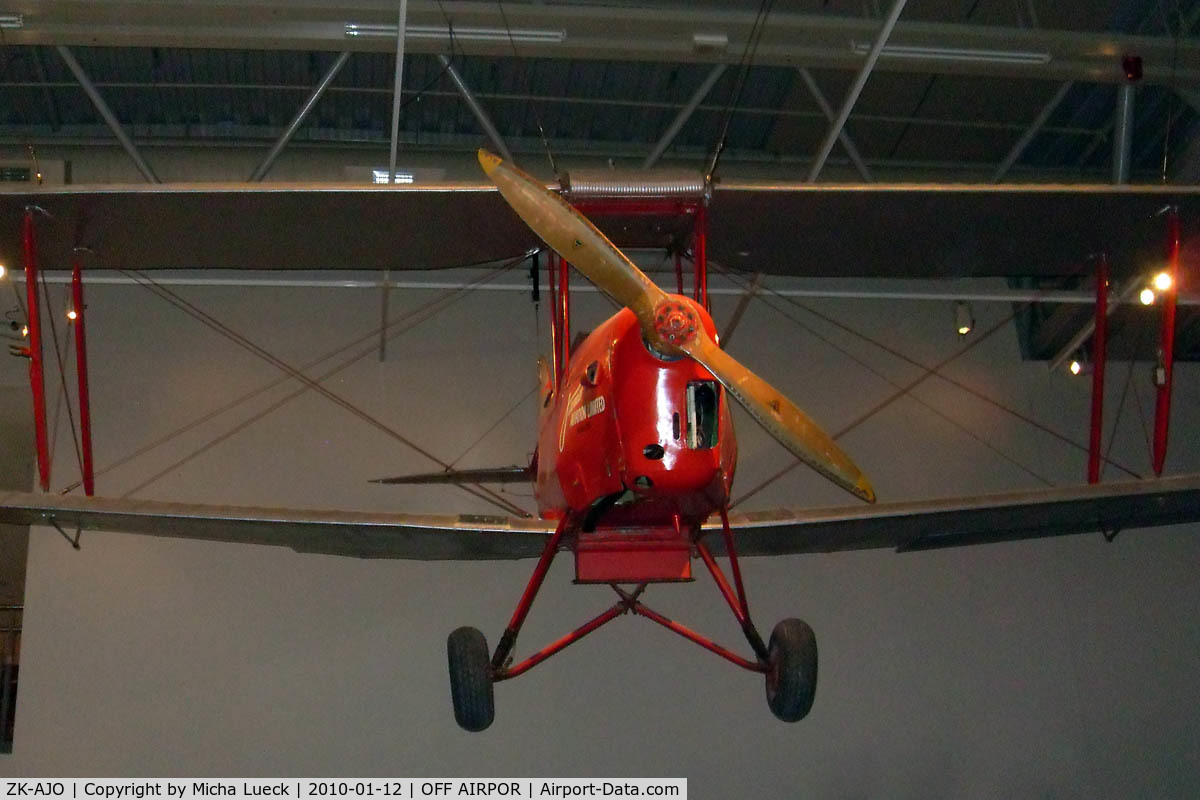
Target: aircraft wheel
470,679
792,670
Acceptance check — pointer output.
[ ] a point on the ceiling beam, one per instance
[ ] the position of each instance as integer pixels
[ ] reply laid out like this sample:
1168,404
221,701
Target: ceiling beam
397,88
545,99
684,115
680,34
106,113
263,168
847,144
860,80
481,116
1034,127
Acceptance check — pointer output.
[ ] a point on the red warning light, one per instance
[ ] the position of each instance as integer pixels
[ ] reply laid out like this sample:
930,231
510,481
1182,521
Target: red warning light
1133,67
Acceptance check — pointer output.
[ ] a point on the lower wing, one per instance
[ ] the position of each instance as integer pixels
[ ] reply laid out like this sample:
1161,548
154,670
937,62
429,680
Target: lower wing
1106,508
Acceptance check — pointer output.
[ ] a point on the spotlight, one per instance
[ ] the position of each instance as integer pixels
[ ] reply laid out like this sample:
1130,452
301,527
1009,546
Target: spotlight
71,315
1162,282
24,330
1076,367
1147,296
3,271
964,321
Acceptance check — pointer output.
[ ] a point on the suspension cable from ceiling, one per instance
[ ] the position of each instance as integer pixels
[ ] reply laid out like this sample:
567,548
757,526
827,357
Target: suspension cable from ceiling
537,117
735,97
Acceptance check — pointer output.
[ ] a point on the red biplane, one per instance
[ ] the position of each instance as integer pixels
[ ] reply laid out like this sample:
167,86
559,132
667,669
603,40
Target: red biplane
632,473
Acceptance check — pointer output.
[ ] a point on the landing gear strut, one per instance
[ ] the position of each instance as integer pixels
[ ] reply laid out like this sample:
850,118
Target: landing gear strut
789,661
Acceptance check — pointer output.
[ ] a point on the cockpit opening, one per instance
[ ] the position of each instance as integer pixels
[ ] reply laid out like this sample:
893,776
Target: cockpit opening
702,414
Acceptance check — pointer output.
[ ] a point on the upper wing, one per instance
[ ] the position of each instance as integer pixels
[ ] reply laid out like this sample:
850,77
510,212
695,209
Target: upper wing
957,521
946,230
904,526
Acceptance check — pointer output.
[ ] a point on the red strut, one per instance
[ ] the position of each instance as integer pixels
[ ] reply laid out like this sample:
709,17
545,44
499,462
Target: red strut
1162,405
37,381
81,371
701,254
564,312
1099,358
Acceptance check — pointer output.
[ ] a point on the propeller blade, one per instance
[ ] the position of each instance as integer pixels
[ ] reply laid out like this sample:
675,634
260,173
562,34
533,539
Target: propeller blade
794,429
575,238
670,325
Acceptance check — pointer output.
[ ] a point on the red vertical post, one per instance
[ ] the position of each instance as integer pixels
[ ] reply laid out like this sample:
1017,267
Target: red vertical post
1166,355
551,268
81,372
701,251
37,381
564,313
1099,358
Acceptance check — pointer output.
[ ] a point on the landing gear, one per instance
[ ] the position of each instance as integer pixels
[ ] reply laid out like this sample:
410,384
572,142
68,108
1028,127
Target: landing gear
471,679
791,670
789,661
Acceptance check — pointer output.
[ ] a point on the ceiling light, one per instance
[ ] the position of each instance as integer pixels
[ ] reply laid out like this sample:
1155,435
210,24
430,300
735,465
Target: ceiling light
381,176
1162,281
71,315
1147,296
522,35
964,321
12,22
24,330
967,54
710,41
1076,367
3,271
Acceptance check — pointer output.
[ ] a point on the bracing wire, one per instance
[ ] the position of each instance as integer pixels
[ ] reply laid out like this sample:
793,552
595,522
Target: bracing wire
928,371
310,383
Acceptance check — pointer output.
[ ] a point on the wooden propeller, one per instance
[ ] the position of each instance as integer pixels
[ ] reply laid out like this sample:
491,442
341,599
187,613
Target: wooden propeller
670,322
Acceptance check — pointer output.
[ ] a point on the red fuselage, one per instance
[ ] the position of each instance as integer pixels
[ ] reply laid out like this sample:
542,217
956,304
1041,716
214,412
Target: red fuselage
626,419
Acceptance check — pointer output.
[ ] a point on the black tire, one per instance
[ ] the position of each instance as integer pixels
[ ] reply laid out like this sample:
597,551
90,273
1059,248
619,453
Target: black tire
470,679
792,670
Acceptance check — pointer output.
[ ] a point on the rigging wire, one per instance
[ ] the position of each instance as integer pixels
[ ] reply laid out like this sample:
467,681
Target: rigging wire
308,382
928,406
311,384
1112,433
62,382
927,373
495,425
954,382
429,309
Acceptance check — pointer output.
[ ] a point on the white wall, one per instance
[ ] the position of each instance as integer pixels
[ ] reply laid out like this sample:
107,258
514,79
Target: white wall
1063,668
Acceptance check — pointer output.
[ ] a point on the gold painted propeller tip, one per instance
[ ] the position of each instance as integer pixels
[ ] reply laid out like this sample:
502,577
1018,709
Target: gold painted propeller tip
489,161
863,489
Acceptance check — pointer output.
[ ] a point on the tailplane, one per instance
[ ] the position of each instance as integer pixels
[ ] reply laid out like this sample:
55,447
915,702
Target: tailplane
513,474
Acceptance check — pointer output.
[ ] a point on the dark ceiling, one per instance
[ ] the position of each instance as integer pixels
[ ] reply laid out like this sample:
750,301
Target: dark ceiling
590,98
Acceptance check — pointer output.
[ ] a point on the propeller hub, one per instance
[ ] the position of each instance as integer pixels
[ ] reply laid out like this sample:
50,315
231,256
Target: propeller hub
676,322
